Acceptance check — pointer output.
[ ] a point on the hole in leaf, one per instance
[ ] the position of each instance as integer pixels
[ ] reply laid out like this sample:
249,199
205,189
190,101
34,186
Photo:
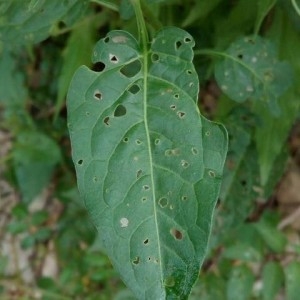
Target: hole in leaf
131,69
211,173
169,281
80,162
134,89
189,72
177,234
125,140
106,40
61,25
172,152
106,121
157,141
194,151
181,114
184,198
178,44
144,199
138,142
120,111
163,202
207,133
173,107
98,95
184,164
139,173
240,56
187,40
124,222
146,187
155,57
98,67
113,58
95,179
176,96
136,260
146,241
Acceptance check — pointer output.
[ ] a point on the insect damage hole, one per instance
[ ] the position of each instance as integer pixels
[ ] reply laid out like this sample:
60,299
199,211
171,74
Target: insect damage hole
163,202
131,69
146,242
98,66
187,40
136,260
155,57
134,89
177,234
106,121
120,111
138,173
178,44
184,164
98,95
80,162
146,187
124,222
113,58
181,114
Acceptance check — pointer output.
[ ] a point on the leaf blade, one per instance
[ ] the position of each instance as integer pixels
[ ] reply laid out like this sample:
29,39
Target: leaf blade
141,166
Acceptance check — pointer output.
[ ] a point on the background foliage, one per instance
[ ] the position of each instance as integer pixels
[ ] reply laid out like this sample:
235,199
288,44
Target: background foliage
249,69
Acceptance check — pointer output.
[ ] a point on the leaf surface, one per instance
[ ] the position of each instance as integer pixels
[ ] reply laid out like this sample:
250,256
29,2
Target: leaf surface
148,165
27,21
251,70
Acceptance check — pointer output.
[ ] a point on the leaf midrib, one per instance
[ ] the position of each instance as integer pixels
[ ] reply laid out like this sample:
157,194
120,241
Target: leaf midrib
145,90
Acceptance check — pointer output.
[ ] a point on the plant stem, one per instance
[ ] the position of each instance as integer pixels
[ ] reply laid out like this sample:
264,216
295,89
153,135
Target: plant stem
107,4
142,29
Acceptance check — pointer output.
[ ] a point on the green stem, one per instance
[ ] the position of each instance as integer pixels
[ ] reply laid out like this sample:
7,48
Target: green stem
142,29
262,17
296,7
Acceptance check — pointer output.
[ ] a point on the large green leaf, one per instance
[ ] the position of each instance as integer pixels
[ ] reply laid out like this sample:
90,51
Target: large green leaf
149,167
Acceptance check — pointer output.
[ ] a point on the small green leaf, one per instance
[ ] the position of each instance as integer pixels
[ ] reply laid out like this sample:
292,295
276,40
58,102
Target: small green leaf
272,278
148,165
250,70
274,238
28,242
240,283
35,156
16,227
292,279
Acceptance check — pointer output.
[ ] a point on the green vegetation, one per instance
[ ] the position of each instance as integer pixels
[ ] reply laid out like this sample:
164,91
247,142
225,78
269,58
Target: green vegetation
149,166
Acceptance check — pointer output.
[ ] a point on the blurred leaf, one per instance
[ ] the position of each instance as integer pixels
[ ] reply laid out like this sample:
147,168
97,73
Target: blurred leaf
115,115
39,217
240,283
16,227
28,242
199,11
20,211
42,234
23,22
272,134
243,252
77,52
272,277
292,279
273,238
35,155
251,70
